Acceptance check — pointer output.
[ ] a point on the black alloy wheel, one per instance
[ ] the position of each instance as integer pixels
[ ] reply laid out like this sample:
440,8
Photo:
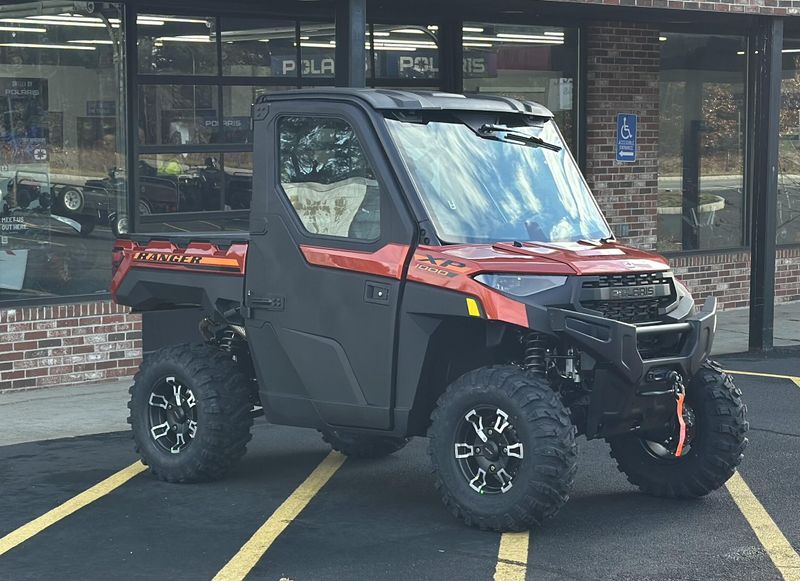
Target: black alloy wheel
173,415
488,450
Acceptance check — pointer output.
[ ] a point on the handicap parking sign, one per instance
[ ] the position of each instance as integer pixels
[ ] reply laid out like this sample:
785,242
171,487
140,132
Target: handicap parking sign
626,137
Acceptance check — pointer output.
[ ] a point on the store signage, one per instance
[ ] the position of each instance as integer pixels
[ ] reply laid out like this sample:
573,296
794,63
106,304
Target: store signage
395,64
101,108
314,66
227,122
24,123
22,88
626,137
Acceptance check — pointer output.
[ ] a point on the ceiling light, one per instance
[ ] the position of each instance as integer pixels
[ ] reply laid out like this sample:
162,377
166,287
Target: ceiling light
148,22
316,45
524,36
472,29
187,38
478,44
790,50
662,38
399,41
553,33
90,41
21,29
53,46
155,17
408,30
55,22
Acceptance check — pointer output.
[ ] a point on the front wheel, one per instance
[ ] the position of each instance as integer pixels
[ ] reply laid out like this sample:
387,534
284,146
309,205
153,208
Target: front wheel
503,449
716,425
190,413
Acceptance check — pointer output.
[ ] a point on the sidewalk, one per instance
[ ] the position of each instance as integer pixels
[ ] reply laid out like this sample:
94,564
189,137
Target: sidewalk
733,325
62,412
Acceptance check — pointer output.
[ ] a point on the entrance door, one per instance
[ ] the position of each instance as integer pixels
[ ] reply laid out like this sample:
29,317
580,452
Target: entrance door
324,279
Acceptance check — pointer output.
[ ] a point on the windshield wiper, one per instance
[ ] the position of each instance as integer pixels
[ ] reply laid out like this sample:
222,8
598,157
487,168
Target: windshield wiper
488,129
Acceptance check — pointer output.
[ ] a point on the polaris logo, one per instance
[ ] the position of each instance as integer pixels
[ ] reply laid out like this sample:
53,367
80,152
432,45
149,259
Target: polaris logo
633,292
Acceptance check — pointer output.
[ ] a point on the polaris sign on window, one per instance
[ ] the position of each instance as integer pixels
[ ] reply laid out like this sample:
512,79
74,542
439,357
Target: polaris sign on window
393,65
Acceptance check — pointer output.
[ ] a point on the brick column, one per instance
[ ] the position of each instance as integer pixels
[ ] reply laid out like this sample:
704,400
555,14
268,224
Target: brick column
622,77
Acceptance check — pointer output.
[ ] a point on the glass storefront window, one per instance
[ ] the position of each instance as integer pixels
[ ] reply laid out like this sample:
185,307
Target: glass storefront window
406,51
194,182
178,114
176,45
62,150
237,103
788,223
701,142
317,52
257,47
535,63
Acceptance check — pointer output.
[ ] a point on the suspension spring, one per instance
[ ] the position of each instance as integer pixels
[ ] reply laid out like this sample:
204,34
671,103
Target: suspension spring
535,349
229,340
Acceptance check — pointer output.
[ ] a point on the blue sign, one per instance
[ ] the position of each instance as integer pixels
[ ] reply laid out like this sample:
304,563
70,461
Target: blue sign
626,137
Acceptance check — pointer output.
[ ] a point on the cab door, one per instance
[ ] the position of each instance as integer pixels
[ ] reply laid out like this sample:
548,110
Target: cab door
324,275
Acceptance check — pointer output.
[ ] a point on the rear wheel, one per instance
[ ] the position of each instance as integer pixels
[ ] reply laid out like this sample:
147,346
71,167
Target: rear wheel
190,413
715,441
363,446
503,449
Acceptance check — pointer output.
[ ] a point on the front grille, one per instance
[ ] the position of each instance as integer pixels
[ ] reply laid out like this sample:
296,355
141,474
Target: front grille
644,300
628,279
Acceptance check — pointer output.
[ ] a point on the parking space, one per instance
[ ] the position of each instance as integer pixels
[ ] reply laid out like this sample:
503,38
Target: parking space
382,519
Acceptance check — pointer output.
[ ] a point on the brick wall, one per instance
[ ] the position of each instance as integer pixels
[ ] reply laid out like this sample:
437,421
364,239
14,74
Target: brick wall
727,276
762,7
66,344
622,77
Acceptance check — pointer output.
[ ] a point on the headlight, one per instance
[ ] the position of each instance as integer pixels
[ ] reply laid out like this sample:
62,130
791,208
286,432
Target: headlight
521,285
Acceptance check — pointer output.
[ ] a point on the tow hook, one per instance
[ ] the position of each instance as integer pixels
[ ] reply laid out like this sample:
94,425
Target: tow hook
676,381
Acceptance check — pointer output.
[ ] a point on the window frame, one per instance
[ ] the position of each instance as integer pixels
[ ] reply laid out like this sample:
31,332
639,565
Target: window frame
747,148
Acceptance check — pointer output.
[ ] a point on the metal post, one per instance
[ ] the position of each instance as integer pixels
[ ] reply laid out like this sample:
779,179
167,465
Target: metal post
451,55
767,78
692,127
351,28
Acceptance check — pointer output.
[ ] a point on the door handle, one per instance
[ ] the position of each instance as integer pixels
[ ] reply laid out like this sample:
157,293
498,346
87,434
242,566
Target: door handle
375,292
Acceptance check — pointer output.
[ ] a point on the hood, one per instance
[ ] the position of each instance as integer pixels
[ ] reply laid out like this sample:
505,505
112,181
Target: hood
557,258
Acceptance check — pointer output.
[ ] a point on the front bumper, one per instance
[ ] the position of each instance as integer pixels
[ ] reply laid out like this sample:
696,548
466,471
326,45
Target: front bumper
629,390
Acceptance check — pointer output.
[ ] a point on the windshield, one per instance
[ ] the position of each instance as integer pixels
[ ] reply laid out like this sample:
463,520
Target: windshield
483,183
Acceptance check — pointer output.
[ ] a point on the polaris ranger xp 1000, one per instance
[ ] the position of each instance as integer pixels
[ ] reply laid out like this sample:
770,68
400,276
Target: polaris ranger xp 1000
430,264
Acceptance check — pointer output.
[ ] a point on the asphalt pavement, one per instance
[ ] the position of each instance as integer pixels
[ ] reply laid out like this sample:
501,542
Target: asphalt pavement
381,520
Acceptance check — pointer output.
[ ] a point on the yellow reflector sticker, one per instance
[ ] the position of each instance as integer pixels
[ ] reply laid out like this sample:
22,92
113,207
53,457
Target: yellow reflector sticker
472,307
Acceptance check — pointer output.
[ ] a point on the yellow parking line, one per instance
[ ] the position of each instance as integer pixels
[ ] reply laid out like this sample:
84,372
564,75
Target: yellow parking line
796,380
512,557
242,562
783,555
74,504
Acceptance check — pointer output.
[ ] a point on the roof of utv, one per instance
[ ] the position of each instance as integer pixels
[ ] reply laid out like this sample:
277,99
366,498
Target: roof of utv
391,99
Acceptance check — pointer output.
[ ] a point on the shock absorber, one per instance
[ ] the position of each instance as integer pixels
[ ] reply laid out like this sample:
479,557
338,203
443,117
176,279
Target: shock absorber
535,351
228,340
